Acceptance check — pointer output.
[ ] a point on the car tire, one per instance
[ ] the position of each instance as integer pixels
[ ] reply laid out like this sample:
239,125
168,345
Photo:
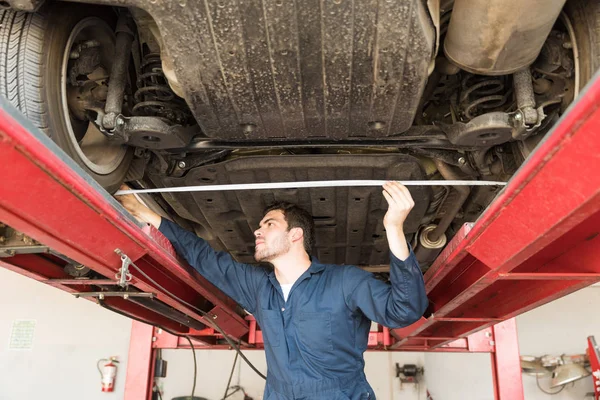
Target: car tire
32,65
584,16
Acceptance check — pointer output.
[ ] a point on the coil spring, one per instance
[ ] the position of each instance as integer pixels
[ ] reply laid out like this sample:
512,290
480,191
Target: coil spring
480,94
154,97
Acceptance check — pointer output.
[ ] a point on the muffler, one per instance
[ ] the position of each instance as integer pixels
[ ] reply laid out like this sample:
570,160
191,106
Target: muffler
499,37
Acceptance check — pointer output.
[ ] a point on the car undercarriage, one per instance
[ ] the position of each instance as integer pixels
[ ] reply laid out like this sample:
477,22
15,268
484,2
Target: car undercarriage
164,94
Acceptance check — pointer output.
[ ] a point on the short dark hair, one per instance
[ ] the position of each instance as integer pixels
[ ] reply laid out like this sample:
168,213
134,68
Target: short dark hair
296,217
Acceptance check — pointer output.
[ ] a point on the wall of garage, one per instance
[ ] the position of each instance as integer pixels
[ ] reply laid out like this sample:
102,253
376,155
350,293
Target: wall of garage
72,334
69,337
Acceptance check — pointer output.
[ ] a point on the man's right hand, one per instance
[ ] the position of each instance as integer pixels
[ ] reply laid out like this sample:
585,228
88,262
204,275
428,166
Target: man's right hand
137,209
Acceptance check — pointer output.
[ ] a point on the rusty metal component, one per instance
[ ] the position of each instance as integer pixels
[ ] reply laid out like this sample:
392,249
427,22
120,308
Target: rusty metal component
503,163
557,53
427,249
525,98
479,94
455,204
13,242
493,37
153,132
154,96
483,131
295,72
77,270
442,67
542,85
89,96
118,73
439,195
429,136
149,34
527,118
85,58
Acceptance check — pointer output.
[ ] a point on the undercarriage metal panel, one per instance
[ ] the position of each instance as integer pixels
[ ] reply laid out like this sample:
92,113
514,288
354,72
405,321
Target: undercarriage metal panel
258,69
349,221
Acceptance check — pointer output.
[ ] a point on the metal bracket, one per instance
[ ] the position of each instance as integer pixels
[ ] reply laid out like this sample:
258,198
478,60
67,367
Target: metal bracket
13,242
151,132
124,295
124,276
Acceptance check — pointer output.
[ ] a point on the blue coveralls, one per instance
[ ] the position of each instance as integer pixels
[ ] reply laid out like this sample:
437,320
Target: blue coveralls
314,341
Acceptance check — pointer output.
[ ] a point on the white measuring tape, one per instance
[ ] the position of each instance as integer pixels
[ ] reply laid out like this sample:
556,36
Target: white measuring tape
306,184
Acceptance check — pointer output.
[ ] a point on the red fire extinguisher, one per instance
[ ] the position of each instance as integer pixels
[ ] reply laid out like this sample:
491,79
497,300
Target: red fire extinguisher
108,371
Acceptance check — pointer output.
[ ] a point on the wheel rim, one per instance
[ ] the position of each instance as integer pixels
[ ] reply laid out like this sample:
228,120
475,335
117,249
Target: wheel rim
571,32
94,149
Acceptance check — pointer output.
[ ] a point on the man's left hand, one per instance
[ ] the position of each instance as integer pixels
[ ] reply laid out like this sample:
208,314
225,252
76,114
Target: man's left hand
400,203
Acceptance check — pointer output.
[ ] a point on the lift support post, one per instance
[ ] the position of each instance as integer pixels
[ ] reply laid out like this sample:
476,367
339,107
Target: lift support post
537,242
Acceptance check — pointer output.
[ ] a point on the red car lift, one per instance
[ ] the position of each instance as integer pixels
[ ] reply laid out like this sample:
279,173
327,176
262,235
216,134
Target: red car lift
534,244
500,341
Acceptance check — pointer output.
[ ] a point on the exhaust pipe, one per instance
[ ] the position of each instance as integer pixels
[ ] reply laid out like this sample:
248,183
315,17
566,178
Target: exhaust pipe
427,250
499,37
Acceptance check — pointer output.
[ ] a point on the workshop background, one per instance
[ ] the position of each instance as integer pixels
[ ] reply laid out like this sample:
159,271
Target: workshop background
70,335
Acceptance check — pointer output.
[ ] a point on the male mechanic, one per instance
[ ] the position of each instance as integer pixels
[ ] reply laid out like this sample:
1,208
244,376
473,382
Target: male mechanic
315,318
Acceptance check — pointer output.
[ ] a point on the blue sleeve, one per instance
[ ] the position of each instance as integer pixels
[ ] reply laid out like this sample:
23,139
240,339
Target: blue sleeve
237,280
394,306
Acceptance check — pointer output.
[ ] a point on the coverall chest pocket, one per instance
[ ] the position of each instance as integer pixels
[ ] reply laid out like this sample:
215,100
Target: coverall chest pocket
314,331
272,327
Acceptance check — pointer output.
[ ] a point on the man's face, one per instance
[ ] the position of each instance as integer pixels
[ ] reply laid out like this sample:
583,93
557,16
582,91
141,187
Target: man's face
272,237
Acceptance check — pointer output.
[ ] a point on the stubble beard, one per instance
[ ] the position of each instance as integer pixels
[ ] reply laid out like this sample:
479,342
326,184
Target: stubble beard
279,247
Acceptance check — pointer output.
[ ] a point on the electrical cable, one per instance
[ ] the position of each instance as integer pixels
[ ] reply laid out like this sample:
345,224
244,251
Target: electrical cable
157,390
104,305
238,352
195,366
230,376
204,314
537,380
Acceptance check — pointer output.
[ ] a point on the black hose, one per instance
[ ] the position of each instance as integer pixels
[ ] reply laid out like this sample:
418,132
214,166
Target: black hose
195,366
104,305
230,376
208,319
